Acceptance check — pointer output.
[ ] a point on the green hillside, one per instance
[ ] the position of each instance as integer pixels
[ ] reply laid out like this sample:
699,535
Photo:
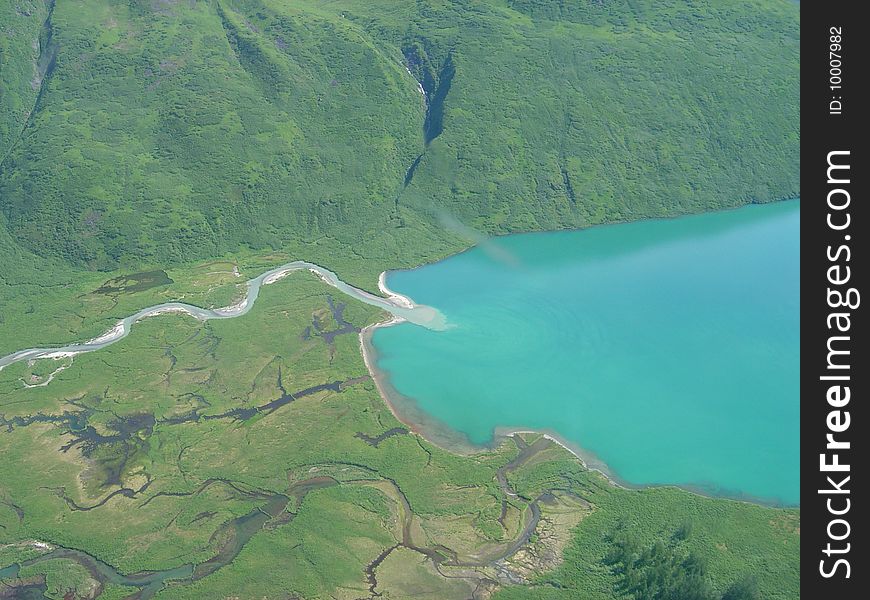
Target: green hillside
204,141
171,131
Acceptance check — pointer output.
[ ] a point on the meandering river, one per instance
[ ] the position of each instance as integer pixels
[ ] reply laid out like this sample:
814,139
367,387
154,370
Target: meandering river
399,306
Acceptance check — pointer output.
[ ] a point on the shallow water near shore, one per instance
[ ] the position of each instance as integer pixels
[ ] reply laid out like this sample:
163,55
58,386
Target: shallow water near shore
669,349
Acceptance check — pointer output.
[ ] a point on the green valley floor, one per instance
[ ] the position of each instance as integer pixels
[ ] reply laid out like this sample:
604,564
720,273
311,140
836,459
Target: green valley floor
254,457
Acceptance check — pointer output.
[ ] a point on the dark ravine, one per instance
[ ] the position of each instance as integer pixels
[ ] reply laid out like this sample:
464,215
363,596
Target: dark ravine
250,56
433,125
566,181
435,83
409,174
45,64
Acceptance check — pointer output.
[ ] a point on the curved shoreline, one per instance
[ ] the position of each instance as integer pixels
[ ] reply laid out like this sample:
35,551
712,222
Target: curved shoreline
394,296
407,412
447,438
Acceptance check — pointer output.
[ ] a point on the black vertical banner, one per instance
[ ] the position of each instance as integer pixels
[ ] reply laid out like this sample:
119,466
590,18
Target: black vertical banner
834,370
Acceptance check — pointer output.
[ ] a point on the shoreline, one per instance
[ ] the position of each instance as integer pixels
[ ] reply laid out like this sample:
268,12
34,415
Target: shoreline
453,441
496,236
391,295
404,409
419,422
274,274
369,354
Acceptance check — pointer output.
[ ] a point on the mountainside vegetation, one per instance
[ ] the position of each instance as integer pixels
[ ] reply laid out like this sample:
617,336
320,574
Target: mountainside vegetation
156,150
162,131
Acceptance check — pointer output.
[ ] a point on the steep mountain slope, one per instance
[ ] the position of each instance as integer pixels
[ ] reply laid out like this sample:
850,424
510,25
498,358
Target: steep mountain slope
25,57
168,131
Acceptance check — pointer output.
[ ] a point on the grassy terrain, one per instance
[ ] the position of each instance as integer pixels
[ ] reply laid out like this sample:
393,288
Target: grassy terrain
162,449
158,150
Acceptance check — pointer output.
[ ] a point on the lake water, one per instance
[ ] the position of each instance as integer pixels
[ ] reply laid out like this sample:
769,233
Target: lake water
668,349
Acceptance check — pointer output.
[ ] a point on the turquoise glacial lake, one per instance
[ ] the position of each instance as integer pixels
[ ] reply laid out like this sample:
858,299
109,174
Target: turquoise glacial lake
669,350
